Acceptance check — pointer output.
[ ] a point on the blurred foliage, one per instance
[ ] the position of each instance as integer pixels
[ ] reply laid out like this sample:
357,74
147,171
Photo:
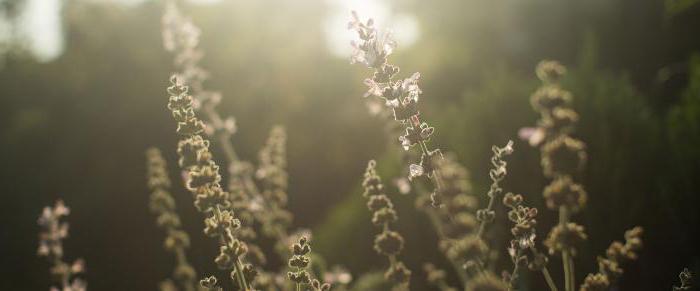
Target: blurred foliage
77,127
674,7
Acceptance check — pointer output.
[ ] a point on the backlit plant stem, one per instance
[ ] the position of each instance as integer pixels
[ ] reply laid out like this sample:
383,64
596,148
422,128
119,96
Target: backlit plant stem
567,259
545,272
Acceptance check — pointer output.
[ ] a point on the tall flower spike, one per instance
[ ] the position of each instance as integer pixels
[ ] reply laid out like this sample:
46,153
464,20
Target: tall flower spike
401,97
202,179
162,204
523,250
388,243
609,266
398,100
562,159
181,37
53,232
300,263
272,173
497,174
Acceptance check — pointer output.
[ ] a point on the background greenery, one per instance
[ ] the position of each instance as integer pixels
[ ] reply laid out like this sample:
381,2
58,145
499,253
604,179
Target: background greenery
77,127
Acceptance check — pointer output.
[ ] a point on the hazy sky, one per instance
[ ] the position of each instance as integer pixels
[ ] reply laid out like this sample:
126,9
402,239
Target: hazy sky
41,24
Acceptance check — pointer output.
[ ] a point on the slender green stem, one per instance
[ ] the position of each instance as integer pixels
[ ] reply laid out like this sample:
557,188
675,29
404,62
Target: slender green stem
548,278
516,269
565,254
567,270
545,271
573,273
482,225
239,275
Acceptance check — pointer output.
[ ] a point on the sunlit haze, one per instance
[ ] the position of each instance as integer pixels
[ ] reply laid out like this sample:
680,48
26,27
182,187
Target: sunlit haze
404,27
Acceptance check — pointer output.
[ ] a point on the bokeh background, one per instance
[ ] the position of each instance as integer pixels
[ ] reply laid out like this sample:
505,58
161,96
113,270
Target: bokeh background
82,95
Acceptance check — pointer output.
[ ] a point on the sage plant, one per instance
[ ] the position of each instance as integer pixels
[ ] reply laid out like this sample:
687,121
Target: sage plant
177,241
401,96
300,262
272,173
460,231
609,266
388,243
53,232
203,181
181,37
563,158
523,249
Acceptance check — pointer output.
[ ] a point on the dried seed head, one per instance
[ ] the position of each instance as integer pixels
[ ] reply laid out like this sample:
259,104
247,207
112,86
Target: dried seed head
563,156
595,282
384,216
564,192
398,273
565,238
388,243
550,71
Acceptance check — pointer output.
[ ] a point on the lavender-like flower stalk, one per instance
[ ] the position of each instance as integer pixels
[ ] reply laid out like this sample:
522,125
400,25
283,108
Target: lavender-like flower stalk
53,232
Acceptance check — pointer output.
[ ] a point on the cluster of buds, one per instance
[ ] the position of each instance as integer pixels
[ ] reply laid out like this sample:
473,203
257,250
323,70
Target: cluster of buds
53,232
162,204
563,192
203,181
686,278
400,96
524,234
565,237
497,173
300,262
181,37
563,157
609,269
388,243
523,250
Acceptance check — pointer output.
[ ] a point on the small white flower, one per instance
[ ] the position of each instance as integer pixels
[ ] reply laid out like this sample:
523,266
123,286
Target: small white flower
415,170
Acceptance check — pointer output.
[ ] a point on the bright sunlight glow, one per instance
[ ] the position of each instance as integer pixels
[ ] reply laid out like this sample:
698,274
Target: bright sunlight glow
338,37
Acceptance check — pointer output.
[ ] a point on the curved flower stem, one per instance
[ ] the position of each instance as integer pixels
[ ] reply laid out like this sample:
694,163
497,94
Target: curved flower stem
516,270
